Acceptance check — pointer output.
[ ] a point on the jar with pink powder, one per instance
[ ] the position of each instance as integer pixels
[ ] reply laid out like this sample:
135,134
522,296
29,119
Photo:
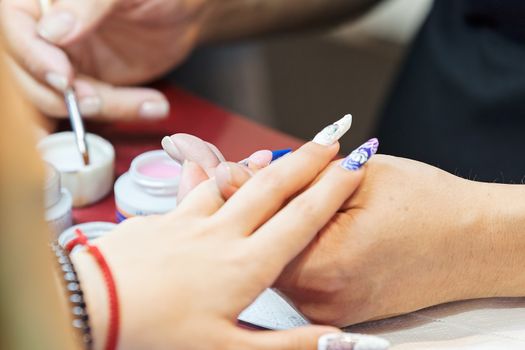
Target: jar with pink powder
149,187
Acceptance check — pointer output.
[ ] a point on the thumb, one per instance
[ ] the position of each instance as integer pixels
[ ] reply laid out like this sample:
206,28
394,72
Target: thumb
67,21
312,338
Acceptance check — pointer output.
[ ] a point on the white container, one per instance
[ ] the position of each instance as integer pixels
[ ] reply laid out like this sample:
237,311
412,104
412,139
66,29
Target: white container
57,201
150,187
87,184
92,230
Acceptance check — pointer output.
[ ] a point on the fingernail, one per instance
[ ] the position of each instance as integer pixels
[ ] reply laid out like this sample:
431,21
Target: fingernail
56,26
224,173
351,341
361,155
173,151
57,81
90,106
260,159
154,109
332,133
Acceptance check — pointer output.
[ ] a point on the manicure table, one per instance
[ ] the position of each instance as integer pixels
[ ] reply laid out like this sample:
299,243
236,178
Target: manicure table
476,324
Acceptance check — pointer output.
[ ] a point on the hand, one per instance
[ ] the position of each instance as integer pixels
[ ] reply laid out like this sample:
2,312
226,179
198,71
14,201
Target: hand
101,47
396,245
412,236
183,278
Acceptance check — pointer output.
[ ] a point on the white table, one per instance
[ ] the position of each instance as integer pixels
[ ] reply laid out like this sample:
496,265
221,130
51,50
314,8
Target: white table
476,324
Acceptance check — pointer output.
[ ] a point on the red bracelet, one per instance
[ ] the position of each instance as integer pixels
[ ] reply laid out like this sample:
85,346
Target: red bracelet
114,311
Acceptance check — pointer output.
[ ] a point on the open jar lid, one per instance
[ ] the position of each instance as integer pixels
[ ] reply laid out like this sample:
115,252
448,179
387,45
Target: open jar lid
156,172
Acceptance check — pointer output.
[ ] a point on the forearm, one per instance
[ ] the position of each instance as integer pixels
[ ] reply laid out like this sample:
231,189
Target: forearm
234,19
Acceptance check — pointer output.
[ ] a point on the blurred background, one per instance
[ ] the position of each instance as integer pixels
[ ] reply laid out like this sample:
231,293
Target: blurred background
298,82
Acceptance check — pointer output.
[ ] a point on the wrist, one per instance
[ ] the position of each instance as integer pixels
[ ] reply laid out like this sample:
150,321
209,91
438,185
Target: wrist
95,295
503,207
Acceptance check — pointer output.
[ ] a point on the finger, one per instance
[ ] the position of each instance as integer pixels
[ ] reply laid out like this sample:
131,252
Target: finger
304,338
287,233
100,100
230,177
267,191
48,101
183,147
203,201
192,175
69,21
260,160
45,62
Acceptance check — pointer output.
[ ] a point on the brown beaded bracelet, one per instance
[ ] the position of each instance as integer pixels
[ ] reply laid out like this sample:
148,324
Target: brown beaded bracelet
74,295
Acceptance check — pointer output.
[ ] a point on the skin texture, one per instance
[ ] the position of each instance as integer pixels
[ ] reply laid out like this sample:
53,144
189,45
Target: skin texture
113,45
411,236
179,279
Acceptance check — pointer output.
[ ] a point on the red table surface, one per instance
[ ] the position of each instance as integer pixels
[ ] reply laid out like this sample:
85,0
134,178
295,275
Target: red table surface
235,136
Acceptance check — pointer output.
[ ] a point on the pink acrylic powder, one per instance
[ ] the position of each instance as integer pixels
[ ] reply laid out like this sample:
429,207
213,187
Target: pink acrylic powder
160,169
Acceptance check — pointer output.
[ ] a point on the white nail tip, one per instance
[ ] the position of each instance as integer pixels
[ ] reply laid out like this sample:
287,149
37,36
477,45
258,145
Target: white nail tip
334,132
154,110
351,341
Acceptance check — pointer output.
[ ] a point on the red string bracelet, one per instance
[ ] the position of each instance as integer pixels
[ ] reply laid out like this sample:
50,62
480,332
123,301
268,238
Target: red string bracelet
114,311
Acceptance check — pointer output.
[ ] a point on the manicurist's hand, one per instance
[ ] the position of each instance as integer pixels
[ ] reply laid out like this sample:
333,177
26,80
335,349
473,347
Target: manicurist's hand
103,48
183,278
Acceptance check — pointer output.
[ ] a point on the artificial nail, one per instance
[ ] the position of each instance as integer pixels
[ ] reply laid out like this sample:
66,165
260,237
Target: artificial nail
90,105
55,26
154,109
173,151
332,133
57,81
361,155
351,341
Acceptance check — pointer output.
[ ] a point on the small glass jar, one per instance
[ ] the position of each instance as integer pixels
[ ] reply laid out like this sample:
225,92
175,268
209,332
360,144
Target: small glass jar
149,187
57,201
92,230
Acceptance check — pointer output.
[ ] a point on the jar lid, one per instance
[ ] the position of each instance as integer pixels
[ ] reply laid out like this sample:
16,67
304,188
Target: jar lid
156,173
52,192
92,230
87,184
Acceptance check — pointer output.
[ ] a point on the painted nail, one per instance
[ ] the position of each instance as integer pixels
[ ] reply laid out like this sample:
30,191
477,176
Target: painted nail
332,133
55,26
351,341
154,109
57,81
90,106
173,151
361,155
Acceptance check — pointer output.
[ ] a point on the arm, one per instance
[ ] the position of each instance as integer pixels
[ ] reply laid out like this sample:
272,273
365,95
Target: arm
234,19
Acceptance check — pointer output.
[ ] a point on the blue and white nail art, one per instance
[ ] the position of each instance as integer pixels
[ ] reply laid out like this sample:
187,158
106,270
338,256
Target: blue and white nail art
361,155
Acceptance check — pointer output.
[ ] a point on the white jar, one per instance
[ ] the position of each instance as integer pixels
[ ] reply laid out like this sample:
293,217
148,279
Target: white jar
58,202
92,230
87,184
150,187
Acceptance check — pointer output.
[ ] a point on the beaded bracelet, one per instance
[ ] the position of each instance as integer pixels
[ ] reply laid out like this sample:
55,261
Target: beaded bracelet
74,295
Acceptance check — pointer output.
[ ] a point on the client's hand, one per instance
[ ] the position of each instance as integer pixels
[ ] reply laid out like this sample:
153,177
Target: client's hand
412,236
102,47
183,278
